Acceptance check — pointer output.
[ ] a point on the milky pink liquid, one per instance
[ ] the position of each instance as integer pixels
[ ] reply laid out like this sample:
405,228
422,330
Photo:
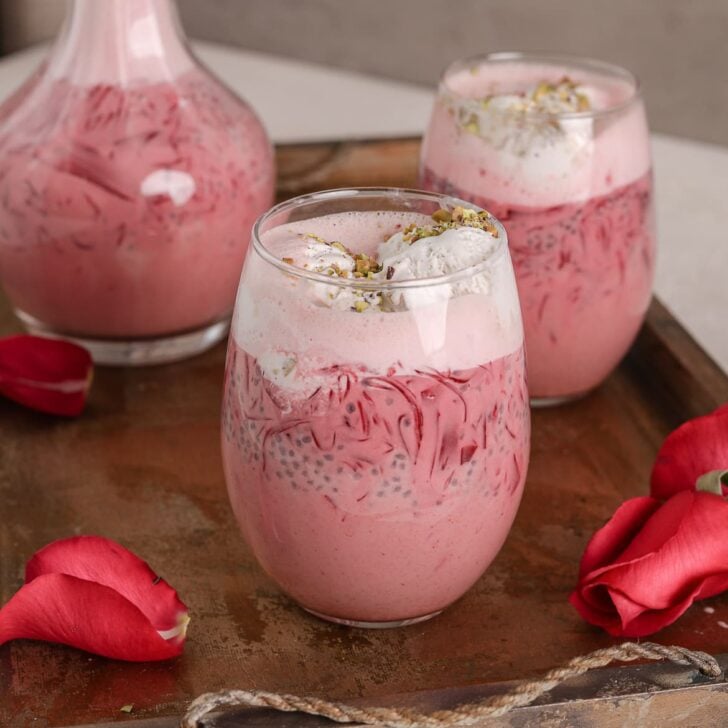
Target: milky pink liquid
386,499
83,249
377,496
585,274
580,228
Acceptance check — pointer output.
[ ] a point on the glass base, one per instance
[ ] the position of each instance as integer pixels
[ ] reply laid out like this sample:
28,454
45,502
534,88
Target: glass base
542,402
139,352
374,625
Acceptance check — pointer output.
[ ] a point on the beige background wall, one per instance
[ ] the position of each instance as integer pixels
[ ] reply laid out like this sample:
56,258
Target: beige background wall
679,48
23,22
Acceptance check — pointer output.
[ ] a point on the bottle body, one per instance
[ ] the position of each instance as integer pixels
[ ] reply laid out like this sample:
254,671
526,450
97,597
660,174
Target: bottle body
127,195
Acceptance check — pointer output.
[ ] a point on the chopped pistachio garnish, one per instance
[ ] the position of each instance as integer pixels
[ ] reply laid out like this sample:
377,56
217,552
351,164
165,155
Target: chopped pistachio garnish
448,219
564,94
288,366
543,89
313,236
332,269
546,98
366,300
365,266
339,246
550,98
336,271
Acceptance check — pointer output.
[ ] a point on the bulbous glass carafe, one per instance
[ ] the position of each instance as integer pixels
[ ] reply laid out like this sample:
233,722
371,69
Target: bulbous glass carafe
129,181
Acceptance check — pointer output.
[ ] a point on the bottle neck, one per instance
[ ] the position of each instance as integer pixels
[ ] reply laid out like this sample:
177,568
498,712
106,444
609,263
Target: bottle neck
122,42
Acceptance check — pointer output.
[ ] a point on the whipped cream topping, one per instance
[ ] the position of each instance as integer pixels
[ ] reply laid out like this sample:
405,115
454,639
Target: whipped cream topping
454,241
564,97
326,257
451,251
332,259
547,98
528,124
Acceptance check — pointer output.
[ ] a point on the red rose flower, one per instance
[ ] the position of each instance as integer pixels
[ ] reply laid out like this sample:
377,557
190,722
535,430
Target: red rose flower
45,374
659,554
698,447
651,561
91,593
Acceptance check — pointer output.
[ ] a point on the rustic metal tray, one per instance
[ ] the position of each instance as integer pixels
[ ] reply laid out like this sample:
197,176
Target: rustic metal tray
142,466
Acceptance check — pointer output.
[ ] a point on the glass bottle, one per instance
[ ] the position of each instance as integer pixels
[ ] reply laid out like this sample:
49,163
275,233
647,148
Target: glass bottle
129,181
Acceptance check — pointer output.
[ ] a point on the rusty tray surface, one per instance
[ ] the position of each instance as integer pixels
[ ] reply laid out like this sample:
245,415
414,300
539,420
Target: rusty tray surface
143,466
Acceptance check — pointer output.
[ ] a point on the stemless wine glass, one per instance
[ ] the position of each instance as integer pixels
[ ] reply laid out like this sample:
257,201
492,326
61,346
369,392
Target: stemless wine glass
374,454
558,149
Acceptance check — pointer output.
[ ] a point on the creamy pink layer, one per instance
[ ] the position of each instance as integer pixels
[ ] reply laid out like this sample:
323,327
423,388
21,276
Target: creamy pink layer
592,156
384,498
277,313
585,275
91,240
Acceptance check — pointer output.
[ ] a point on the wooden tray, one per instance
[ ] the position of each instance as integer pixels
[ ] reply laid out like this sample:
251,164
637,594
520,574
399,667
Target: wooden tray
143,466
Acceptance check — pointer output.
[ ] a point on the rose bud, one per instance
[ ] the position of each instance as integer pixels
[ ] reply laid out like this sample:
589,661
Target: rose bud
45,374
697,449
91,593
652,560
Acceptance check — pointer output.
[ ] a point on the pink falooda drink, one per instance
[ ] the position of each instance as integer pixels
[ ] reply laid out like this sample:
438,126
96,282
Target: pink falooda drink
375,415
129,181
558,150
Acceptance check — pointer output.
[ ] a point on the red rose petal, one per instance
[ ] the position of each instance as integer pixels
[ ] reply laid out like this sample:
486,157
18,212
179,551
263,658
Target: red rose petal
696,550
594,603
86,615
641,624
659,526
89,592
45,374
616,535
650,621
106,562
697,447
679,555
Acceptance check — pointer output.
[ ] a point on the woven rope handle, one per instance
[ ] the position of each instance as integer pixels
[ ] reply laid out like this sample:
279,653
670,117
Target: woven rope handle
464,715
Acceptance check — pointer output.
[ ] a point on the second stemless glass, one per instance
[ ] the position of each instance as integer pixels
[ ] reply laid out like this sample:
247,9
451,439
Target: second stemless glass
574,191
375,460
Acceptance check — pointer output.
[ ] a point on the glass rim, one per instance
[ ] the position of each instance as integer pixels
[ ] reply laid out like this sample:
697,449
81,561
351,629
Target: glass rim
564,59
363,284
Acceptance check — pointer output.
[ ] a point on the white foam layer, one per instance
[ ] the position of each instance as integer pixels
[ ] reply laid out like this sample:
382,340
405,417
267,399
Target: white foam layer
278,320
529,160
